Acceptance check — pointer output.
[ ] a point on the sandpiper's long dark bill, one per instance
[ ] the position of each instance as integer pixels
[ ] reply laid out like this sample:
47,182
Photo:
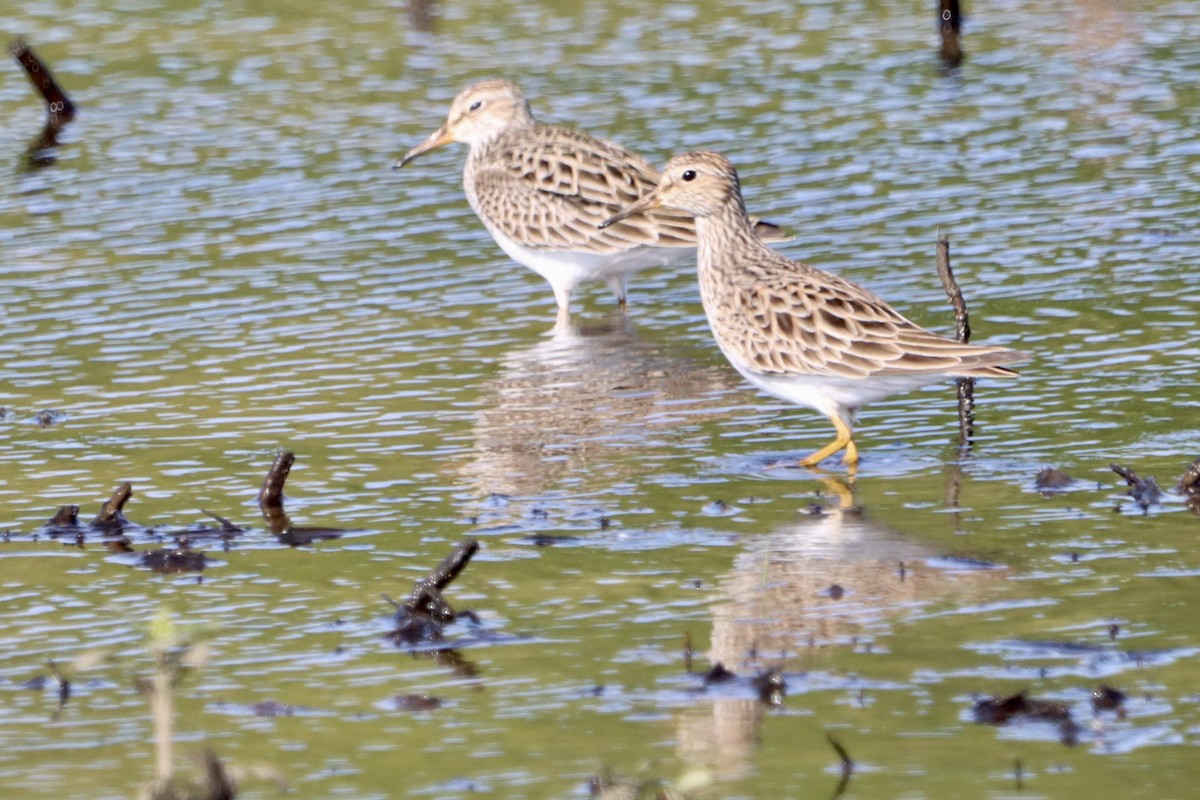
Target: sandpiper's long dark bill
438,138
796,332
542,191
649,201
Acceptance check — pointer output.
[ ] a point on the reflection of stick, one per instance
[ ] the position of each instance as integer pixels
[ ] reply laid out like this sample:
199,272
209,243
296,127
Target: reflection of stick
847,767
59,106
962,325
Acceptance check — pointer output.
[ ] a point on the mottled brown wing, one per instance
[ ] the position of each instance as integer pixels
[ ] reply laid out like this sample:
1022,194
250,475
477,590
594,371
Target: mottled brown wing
799,320
553,190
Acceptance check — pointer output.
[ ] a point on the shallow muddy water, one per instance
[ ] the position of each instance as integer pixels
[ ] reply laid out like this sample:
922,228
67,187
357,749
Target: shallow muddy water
221,264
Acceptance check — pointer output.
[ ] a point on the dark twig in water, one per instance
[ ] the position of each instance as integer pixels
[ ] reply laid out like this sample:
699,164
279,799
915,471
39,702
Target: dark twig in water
270,496
270,501
847,767
962,325
59,108
1145,492
111,510
110,515
271,493
65,517
950,27
961,319
454,563
423,616
226,525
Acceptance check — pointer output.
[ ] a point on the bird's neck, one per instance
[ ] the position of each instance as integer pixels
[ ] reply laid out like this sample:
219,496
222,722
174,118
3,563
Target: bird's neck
726,231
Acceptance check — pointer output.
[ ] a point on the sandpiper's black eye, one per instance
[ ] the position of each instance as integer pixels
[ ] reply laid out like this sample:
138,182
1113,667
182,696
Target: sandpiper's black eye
475,106
689,175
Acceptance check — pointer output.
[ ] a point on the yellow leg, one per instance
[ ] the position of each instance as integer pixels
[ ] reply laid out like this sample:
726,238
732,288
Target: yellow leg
850,457
844,441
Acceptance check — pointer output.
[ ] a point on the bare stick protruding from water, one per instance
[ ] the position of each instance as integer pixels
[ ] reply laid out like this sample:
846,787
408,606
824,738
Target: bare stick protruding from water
426,596
110,512
271,493
270,497
962,321
59,107
424,615
950,27
962,326
453,564
270,501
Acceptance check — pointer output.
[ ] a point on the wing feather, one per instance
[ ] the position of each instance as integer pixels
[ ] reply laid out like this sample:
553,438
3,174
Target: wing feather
788,318
551,187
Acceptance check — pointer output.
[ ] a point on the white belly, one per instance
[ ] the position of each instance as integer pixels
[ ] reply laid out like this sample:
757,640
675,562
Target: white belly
566,269
831,395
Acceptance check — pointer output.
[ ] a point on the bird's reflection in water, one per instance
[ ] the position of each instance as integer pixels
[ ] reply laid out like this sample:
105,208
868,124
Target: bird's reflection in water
834,578
568,411
422,14
1107,46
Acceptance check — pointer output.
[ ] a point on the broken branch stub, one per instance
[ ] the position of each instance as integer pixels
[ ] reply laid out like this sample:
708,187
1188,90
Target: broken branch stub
58,106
